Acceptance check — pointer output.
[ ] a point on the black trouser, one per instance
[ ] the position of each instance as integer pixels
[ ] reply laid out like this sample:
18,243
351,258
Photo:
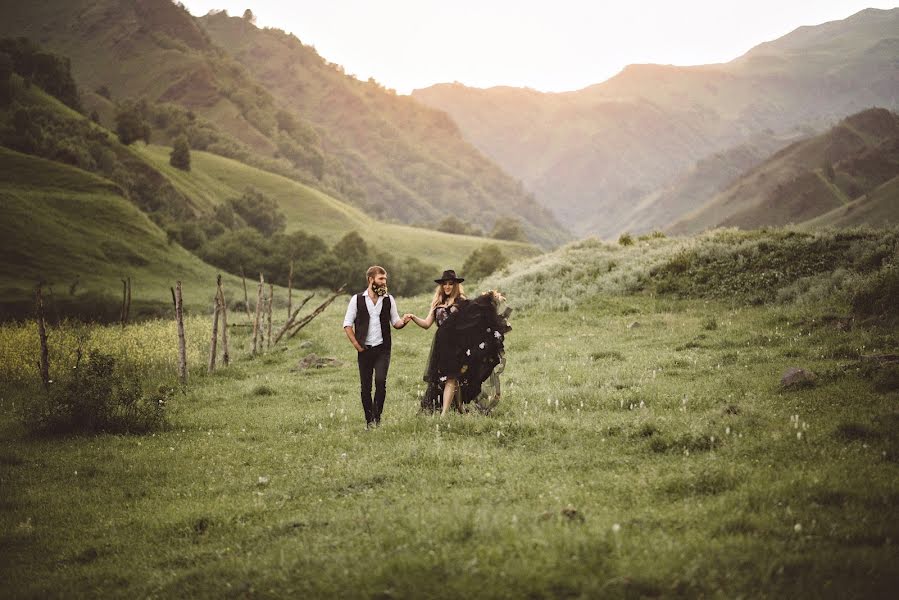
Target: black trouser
374,360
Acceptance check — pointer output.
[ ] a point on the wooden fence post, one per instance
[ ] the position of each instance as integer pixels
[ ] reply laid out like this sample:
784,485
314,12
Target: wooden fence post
42,333
268,331
246,299
124,299
226,356
213,340
289,290
182,348
256,331
128,303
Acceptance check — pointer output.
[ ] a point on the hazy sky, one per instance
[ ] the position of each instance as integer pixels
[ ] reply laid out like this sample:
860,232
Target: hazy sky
553,45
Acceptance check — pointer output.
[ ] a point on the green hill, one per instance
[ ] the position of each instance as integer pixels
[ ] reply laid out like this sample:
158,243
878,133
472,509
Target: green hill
810,178
215,178
388,155
76,232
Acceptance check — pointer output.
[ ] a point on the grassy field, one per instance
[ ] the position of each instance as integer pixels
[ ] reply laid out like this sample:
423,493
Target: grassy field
643,447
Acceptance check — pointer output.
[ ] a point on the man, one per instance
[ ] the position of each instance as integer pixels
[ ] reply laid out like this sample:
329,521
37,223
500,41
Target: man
367,326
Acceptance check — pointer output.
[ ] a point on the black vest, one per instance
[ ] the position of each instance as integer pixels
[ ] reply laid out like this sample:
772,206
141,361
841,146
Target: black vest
360,325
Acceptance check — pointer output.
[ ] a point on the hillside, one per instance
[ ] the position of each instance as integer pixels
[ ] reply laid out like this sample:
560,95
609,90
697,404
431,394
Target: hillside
412,160
79,189
215,179
593,154
878,207
76,232
354,140
809,178
704,180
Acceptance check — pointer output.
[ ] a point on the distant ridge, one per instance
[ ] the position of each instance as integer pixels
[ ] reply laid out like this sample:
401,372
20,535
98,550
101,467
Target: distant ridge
850,167
595,155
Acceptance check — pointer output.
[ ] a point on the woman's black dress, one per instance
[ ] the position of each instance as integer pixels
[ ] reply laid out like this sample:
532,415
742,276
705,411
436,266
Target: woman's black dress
468,346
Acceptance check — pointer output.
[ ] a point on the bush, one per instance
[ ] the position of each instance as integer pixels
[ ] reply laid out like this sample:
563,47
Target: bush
876,294
131,123
180,156
483,261
99,397
507,228
625,239
259,211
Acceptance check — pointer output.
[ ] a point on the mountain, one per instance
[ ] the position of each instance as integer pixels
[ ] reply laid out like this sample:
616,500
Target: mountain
77,206
297,114
704,180
593,155
839,172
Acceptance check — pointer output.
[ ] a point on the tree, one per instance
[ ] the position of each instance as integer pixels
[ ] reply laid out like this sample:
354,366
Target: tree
6,71
484,261
354,257
508,228
130,124
259,212
180,156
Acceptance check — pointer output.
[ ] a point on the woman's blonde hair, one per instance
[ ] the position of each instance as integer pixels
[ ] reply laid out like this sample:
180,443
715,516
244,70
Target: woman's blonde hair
458,292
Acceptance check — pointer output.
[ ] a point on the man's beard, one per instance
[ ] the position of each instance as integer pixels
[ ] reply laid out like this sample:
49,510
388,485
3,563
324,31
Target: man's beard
379,290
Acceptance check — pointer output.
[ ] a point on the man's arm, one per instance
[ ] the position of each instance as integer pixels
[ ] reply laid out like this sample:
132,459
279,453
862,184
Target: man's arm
348,321
352,337
398,323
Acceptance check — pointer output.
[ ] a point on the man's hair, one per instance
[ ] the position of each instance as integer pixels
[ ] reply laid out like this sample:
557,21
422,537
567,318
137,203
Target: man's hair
375,270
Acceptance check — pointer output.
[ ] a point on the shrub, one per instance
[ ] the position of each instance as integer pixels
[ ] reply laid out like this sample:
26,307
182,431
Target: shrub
131,124
180,156
99,397
625,239
876,294
483,261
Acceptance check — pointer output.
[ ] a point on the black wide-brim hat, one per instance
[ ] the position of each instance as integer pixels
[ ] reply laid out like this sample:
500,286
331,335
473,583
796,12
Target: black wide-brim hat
449,275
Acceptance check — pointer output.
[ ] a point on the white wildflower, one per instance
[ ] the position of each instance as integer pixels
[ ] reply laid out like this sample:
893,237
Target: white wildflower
616,527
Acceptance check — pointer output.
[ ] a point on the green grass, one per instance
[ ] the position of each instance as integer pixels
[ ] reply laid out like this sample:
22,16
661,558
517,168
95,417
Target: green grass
662,459
61,224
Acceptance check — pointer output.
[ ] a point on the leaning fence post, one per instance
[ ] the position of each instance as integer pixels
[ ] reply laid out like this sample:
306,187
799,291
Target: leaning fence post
256,331
213,340
182,349
42,332
226,357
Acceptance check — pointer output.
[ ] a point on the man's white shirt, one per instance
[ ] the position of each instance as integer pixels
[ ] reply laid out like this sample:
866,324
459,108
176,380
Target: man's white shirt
374,337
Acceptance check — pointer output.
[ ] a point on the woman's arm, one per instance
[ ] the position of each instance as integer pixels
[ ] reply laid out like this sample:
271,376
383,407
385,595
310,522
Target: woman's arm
427,322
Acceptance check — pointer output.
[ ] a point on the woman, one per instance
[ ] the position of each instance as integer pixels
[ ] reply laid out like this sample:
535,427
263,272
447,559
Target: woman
468,346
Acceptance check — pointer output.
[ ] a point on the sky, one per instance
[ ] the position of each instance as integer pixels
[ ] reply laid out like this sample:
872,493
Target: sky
549,45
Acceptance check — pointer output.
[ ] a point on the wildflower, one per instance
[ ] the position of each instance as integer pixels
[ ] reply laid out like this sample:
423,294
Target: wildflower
482,345
797,527
616,527
468,352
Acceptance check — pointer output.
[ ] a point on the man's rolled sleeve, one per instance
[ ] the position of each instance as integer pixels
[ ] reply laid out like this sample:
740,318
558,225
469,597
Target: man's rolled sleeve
350,317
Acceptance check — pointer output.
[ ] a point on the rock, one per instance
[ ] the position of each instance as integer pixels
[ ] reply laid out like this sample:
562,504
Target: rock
796,377
313,361
634,325
306,344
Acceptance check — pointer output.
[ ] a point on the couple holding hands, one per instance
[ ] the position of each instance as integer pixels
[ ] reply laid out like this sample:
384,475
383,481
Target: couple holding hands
466,352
